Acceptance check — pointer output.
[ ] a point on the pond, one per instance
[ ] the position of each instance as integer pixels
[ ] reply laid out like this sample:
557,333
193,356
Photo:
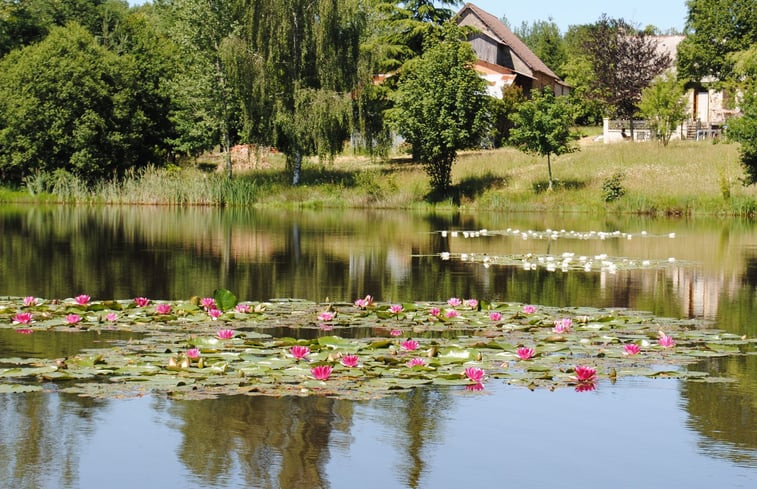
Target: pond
636,431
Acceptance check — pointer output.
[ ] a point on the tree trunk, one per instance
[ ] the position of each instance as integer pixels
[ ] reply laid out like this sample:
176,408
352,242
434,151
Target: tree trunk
549,168
296,167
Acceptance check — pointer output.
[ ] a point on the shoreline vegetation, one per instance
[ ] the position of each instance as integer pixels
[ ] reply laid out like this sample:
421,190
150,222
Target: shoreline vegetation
686,178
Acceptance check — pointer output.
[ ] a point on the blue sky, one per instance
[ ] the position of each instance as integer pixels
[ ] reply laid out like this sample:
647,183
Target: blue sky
661,13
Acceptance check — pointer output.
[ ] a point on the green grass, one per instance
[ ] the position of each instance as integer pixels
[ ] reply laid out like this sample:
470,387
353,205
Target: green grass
684,178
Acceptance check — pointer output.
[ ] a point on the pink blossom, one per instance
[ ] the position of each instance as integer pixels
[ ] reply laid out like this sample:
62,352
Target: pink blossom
325,327
563,325
82,300
416,362
193,353
410,345
475,374
451,313
30,300
435,311
525,353
364,303
243,308
111,316
321,372
529,309
631,349
396,308
350,360
299,352
22,318
214,313
585,374
396,332
163,308
141,301
225,334
208,303
24,331
666,341
73,319
472,303
326,316
454,301
495,316
475,387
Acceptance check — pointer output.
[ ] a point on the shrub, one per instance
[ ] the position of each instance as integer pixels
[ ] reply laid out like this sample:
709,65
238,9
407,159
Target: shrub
612,188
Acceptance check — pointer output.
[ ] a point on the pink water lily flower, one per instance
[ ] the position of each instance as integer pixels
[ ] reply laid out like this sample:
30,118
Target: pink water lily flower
396,308
350,361
163,308
472,303
111,316
495,316
451,313
410,345
208,303
82,300
454,302
321,372
364,302
141,301
475,374
435,311
585,374
665,341
24,331
396,332
299,352
193,353
416,362
73,319
22,318
563,325
524,353
225,334
529,309
30,300
326,316
631,349
214,314
243,308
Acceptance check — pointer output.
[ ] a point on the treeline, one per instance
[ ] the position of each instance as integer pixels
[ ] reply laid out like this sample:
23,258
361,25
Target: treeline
97,88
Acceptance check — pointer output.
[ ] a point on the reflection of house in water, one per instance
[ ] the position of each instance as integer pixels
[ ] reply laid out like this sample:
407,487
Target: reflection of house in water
700,293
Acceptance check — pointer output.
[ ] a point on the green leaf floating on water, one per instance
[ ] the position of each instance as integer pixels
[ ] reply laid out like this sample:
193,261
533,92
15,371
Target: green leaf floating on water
372,352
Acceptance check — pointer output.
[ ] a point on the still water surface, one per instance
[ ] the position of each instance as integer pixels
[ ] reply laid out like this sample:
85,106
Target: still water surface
637,432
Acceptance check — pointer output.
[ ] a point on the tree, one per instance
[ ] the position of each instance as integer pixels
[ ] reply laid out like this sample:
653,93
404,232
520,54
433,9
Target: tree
441,105
624,62
664,106
67,102
743,128
715,29
545,40
542,127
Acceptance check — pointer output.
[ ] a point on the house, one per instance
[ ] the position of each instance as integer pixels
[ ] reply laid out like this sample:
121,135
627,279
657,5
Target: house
503,59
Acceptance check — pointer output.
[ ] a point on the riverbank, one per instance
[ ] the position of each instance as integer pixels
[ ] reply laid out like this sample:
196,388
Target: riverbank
685,178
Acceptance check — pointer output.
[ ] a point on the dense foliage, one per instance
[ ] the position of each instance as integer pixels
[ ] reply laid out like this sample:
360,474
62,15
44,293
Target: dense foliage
542,127
442,106
663,106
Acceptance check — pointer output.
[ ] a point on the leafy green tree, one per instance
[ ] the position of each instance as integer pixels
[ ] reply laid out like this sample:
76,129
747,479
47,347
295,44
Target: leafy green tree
715,29
68,102
664,106
743,128
441,106
545,40
542,127
578,72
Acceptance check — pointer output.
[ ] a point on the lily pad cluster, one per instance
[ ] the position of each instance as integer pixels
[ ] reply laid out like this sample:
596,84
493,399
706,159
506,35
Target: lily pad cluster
206,347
